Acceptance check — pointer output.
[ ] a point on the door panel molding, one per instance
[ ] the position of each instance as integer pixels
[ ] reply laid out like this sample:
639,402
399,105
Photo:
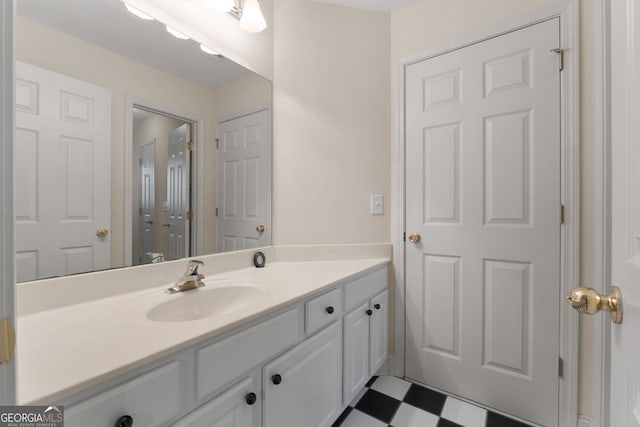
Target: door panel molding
568,12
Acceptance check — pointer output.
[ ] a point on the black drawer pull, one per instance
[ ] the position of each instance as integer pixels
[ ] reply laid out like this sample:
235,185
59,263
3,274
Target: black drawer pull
377,306
124,421
250,398
276,379
369,312
329,310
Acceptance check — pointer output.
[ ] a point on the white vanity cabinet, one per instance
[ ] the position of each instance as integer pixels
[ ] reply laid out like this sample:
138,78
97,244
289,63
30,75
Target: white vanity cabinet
365,331
296,367
239,406
303,386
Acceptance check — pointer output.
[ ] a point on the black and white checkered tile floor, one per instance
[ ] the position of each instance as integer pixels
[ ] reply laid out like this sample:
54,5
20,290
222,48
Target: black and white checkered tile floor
388,401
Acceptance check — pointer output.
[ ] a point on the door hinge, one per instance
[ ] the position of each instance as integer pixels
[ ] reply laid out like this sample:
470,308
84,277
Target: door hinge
190,145
7,340
189,215
560,53
216,212
404,236
560,367
217,143
561,214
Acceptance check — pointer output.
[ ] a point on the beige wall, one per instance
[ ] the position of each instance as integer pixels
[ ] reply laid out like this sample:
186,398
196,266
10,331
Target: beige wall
127,78
428,24
331,123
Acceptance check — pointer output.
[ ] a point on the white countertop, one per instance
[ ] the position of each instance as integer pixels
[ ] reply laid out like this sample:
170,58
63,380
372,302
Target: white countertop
64,350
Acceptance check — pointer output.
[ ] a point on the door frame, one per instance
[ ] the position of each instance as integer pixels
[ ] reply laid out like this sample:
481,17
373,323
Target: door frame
568,13
197,172
8,384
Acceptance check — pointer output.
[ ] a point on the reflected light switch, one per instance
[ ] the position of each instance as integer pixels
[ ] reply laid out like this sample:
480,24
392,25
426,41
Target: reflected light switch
377,204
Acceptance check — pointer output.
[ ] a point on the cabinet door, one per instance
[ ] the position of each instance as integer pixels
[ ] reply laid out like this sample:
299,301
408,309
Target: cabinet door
309,383
356,352
379,331
235,407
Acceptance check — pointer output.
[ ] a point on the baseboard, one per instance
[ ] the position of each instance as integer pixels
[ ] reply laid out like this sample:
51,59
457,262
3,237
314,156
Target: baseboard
584,421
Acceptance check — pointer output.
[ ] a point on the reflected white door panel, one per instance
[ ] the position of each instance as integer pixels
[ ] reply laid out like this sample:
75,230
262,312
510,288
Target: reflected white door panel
244,176
147,202
178,192
62,174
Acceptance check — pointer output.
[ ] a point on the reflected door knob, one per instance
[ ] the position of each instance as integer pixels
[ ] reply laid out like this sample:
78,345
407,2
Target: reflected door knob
102,232
414,237
260,228
166,224
590,301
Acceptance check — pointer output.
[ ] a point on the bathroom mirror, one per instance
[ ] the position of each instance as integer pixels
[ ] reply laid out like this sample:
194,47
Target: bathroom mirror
132,144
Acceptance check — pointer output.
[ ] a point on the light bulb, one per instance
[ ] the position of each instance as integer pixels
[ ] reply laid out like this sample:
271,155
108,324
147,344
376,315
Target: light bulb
137,12
175,33
207,49
221,5
252,19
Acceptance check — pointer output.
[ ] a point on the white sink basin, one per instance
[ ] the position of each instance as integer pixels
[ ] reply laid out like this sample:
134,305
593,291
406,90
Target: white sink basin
205,302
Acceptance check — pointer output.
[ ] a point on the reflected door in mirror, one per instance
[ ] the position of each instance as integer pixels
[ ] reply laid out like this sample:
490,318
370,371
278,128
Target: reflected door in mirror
178,196
245,180
62,175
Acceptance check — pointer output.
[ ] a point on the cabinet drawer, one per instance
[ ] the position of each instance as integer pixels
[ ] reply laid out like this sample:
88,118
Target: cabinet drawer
364,288
220,363
153,399
322,310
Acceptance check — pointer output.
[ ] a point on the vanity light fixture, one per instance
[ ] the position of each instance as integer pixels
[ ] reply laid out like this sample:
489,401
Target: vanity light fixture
221,5
207,49
247,11
175,33
252,19
137,12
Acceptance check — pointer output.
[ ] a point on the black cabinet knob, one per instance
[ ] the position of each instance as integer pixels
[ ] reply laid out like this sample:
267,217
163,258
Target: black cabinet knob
377,306
369,312
329,310
276,379
124,421
250,398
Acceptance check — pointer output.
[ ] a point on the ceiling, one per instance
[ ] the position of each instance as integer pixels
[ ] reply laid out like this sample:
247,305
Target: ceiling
380,5
108,24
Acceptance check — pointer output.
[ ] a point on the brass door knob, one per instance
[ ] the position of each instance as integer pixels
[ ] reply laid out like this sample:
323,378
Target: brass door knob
414,237
166,224
590,301
102,232
260,228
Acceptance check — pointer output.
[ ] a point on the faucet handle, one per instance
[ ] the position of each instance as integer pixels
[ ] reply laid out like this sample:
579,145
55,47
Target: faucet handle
194,265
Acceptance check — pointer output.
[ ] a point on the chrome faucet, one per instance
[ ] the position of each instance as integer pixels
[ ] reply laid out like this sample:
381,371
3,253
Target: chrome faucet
191,279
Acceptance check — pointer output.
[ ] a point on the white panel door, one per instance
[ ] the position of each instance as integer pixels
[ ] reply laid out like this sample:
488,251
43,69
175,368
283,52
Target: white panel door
625,211
483,191
178,192
147,199
62,174
244,182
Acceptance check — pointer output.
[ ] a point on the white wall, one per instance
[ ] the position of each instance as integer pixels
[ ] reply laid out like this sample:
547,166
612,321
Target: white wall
331,123
427,24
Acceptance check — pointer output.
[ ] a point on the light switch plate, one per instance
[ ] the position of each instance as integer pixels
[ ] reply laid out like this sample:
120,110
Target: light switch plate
377,204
